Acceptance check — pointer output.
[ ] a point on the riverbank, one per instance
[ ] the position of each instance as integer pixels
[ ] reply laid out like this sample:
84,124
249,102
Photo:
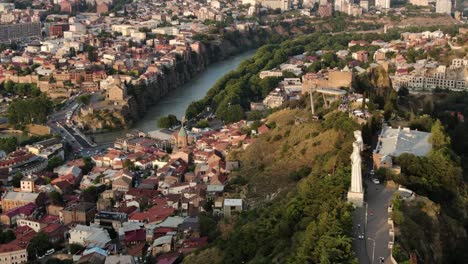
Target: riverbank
177,101
186,66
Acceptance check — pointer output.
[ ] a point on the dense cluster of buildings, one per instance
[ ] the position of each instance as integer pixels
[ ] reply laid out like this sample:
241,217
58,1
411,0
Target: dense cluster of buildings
148,199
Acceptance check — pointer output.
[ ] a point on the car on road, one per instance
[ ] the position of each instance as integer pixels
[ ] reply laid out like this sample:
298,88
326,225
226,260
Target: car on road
50,252
375,181
372,172
361,236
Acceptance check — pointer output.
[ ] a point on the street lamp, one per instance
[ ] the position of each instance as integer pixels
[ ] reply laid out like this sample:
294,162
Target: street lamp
373,248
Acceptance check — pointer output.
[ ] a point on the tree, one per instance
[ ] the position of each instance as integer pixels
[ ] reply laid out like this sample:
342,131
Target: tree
8,144
90,194
6,236
439,137
84,99
74,248
54,162
56,198
128,164
72,52
38,245
29,111
88,165
16,181
167,121
202,123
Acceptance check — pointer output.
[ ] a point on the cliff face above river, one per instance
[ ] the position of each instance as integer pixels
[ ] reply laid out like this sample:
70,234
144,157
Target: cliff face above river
184,69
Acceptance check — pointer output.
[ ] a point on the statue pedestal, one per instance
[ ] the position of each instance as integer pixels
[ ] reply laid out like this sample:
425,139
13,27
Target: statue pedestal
356,198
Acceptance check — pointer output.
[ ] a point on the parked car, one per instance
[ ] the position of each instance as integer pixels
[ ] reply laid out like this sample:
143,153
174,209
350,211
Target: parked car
376,181
50,252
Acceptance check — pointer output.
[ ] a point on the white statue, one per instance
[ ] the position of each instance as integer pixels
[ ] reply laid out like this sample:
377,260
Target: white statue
358,137
356,170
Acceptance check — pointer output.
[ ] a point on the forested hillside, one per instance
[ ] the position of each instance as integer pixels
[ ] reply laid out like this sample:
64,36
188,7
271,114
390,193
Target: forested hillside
308,219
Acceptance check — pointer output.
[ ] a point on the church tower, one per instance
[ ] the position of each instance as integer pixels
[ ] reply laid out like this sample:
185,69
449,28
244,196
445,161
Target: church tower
182,138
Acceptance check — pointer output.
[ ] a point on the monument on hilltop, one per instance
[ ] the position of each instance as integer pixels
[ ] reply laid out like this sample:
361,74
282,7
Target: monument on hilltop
356,192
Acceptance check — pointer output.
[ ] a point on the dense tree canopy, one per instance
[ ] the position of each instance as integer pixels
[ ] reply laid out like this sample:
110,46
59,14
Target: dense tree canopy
38,245
168,121
29,111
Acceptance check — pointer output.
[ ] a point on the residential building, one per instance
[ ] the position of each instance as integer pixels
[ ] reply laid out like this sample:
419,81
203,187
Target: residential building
270,73
110,220
232,206
12,199
89,236
284,5
12,253
19,31
444,6
419,2
120,259
382,4
27,184
78,213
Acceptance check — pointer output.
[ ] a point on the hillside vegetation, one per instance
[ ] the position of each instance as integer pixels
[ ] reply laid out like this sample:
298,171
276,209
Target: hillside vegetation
303,169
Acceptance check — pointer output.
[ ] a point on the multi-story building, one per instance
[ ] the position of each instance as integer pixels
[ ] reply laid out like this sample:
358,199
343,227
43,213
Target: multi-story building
270,73
19,31
419,2
364,4
28,184
382,4
11,253
78,213
89,236
12,199
284,5
325,10
444,6
110,220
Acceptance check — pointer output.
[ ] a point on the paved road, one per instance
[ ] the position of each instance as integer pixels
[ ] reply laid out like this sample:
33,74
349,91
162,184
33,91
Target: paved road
359,244
378,199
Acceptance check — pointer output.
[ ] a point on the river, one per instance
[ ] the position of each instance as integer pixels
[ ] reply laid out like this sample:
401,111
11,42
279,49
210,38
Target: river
177,101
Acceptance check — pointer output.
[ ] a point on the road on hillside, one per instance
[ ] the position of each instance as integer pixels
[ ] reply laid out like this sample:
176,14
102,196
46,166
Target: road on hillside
377,230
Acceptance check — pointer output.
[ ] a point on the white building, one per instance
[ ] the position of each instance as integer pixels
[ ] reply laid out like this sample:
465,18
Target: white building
419,2
395,141
284,5
444,6
89,236
382,4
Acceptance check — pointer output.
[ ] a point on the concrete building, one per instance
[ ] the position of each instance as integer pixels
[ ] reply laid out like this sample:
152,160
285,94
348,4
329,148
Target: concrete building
28,183
11,253
34,225
395,141
110,220
419,2
89,236
284,5
444,6
78,213
19,31
12,199
232,206
382,4
364,4
270,73
325,10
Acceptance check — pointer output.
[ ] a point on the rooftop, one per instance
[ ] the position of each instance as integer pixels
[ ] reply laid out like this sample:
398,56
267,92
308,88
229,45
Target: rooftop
396,141
20,196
